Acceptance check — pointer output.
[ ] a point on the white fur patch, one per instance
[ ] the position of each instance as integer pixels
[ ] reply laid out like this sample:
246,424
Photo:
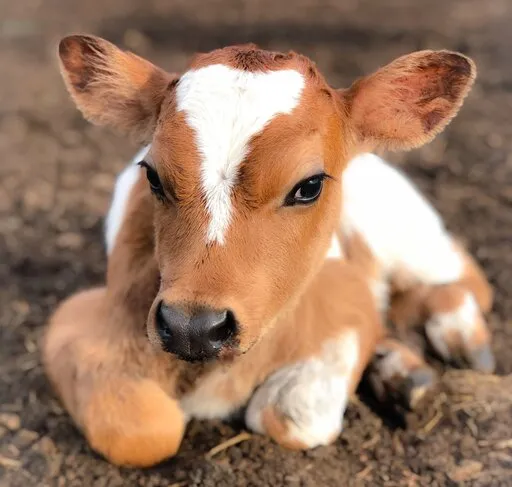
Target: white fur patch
202,406
401,228
462,320
124,184
380,291
312,394
204,401
391,365
226,107
335,251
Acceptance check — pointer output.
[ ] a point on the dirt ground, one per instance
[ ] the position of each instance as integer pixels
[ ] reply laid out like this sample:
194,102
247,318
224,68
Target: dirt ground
56,177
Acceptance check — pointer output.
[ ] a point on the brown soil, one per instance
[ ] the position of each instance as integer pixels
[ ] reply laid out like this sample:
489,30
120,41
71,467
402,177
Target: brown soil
56,178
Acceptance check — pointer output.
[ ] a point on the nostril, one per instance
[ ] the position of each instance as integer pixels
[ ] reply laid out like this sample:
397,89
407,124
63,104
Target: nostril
163,326
223,330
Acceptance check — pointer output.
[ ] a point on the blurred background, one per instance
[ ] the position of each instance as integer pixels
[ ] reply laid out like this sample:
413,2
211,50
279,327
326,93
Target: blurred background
56,178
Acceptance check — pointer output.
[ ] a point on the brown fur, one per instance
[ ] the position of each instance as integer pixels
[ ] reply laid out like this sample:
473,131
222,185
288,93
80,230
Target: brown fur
416,94
112,383
475,281
119,88
271,272
123,394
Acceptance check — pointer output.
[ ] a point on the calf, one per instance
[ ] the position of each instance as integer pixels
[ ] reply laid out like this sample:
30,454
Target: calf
224,285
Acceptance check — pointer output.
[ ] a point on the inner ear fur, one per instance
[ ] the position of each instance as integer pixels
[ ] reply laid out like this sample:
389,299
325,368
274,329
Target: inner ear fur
112,87
408,102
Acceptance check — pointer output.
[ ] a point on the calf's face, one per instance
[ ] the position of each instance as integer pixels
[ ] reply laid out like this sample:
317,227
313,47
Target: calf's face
247,150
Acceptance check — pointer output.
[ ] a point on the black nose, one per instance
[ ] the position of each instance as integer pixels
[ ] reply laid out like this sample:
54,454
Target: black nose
195,336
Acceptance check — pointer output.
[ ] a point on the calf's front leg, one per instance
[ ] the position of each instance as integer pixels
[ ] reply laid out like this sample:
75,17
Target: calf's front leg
302,405
103,378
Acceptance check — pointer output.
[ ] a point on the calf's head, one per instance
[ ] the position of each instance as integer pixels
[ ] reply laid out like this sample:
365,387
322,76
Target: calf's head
247,150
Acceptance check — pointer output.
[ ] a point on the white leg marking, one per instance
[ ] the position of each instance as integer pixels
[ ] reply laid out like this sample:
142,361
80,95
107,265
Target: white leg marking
312,394
399,225
462,320
124,184
391,365
226,107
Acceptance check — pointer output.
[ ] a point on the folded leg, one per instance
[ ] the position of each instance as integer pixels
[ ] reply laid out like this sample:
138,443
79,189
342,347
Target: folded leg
399,374
457,329
125,415
302,405
452,314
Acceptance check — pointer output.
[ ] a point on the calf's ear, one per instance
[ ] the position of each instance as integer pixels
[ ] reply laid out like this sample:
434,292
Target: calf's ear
406,103
112,87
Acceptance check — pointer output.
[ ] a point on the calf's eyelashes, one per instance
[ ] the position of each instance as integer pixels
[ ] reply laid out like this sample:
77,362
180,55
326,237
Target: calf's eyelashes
153,179
156,185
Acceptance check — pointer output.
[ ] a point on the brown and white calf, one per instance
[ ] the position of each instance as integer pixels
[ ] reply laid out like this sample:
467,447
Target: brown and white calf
224,285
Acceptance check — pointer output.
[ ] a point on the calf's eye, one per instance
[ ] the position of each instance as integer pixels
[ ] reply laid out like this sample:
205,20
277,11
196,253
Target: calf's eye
306,192
153,179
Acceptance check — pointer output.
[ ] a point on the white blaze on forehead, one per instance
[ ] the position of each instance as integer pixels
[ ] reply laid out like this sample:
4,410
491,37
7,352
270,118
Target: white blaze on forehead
226,107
